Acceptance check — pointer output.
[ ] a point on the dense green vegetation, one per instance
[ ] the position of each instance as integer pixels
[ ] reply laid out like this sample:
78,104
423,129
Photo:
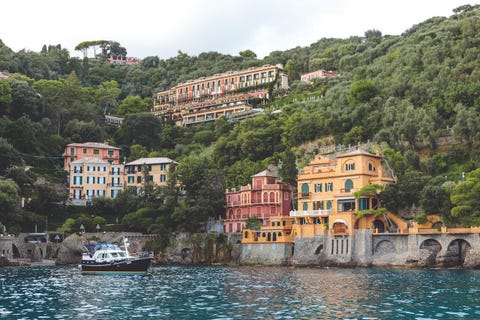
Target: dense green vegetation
415,96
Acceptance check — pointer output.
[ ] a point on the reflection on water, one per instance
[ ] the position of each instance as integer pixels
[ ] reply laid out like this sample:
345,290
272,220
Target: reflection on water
240,293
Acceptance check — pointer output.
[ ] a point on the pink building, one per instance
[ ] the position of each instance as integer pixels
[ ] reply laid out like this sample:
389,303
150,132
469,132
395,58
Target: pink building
264,198
97,150
123,60
321,74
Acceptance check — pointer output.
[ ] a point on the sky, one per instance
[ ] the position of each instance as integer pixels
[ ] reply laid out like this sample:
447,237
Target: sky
163,27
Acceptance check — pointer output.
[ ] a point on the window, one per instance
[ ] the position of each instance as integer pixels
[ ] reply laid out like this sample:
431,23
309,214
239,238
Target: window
163,178
77,169
329,205
96,151
350,166
348,185
305,206
163,166
371,167
77,180
90,180
329,187
102,169
305,190
90,168
317,187
101,180
131,179
84,150
72,151
139,179
363,204
110,153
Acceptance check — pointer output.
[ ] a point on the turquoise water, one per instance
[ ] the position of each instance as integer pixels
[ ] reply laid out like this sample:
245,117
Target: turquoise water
240,293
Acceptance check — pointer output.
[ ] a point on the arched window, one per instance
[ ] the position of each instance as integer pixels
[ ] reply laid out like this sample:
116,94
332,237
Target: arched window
269,236
246,235
305,190
329,205
274,236
265,197
272,197
348,185
305,206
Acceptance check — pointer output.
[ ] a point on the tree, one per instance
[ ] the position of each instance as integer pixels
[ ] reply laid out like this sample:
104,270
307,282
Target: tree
106,96
465,198
9,156
248,54
9,202
140,128
362,91
5,93
253,223
134,104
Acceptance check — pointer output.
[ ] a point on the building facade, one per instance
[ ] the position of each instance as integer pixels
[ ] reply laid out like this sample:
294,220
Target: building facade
222,95
94,171
264,198
326,192
157,171
318,74
77,151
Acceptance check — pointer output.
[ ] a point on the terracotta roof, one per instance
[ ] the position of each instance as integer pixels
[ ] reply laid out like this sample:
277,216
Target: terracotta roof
271,172
357,153
92,145
151,161
89,160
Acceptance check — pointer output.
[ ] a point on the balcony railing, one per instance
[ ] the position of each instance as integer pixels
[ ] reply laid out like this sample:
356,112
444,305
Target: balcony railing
303,213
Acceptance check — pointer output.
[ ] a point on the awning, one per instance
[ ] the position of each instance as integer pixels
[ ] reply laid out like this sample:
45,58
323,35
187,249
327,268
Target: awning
340,221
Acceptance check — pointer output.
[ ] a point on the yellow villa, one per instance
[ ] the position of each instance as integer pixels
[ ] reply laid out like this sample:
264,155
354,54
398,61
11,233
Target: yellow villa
326,193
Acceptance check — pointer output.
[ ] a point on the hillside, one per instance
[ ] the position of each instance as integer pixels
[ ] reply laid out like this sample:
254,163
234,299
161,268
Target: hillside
402,93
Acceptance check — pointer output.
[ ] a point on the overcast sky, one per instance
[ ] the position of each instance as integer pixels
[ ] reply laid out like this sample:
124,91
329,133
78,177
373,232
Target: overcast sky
161,28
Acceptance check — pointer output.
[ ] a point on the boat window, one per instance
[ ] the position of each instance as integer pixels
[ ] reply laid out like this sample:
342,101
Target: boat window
107,255
114,254
121,254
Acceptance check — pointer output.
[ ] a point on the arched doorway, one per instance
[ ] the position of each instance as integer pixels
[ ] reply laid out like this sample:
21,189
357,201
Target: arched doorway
456,252
319,249
378,226
432,247
340,226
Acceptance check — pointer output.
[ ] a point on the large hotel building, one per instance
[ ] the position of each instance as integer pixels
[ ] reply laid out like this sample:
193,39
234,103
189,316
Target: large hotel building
228,94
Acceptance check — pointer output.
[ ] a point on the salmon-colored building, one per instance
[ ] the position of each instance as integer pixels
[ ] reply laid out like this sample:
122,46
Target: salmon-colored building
77,151
222,95
264,198
318,74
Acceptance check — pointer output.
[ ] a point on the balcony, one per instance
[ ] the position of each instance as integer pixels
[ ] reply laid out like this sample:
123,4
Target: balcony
310,213
115,185
305,195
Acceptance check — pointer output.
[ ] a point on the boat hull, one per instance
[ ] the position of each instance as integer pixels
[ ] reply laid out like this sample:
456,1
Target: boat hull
134,266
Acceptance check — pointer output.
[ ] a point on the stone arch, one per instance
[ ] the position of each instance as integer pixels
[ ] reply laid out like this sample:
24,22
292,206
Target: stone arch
319,249
15,251
340,226
437,225
385,247
432,247
456,252
379,226
186,252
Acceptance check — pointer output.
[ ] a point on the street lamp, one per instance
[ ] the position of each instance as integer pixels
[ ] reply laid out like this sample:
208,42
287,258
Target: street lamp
82,228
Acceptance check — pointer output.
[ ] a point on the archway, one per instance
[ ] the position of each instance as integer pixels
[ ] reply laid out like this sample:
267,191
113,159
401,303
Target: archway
456,252
433,247
378,226
319,249
385,247
340,226
16,252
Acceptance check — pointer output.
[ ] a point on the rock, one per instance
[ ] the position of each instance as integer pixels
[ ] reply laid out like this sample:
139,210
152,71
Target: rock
70,251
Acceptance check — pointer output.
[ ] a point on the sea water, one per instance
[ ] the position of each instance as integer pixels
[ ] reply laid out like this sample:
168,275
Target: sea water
174,292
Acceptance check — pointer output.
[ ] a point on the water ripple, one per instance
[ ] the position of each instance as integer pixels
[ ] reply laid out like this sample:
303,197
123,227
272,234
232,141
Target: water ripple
240,293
